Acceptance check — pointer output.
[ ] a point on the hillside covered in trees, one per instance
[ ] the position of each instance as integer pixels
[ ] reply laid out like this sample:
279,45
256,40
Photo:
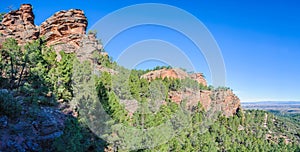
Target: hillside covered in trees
64,93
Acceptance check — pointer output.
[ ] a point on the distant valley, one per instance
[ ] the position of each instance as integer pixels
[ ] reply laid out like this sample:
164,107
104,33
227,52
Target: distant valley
283,107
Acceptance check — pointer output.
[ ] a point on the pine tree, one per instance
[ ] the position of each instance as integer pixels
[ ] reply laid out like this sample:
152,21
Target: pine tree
11,54
62,76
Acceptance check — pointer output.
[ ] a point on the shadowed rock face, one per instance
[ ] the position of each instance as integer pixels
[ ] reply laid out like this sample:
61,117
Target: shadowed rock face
28,134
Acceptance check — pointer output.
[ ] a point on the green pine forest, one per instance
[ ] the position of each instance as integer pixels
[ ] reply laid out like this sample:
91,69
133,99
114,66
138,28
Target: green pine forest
33,73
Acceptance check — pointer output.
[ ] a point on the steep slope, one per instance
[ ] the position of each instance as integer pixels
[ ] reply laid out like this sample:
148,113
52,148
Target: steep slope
37,114
31,116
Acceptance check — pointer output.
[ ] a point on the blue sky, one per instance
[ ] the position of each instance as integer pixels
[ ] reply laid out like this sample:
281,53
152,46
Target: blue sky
259,40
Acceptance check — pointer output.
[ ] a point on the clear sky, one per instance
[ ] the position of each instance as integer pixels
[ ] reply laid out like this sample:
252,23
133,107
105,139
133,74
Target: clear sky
259,40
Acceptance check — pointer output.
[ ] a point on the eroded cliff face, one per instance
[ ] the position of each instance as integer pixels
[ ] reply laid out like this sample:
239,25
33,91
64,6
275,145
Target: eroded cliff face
223,100
65,30
19,24
65,27
218,100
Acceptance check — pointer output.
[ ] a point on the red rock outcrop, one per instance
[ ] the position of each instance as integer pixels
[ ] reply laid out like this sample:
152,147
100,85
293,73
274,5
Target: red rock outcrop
65,30
217,100
199,77
205,98
65,27
19,24
225,101
174,73
214,100
165,73
191,96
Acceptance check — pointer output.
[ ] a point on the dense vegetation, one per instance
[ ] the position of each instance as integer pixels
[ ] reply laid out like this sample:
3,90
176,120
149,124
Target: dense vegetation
34,73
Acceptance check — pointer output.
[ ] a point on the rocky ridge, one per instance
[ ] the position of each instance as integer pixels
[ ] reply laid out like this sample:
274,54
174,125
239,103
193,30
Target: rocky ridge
175,73
223,100
65,30
19,24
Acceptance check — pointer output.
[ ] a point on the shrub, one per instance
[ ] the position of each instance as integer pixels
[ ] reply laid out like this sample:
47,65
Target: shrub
8,105
77,137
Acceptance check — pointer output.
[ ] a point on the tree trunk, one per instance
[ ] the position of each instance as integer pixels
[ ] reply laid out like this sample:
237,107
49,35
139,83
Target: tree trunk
12,73
22,71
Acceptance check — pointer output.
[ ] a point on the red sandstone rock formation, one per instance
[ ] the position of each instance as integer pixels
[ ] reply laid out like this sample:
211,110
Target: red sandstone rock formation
215,100
199,77
225,101
65,27
19,24
165,73
174,73
65,30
